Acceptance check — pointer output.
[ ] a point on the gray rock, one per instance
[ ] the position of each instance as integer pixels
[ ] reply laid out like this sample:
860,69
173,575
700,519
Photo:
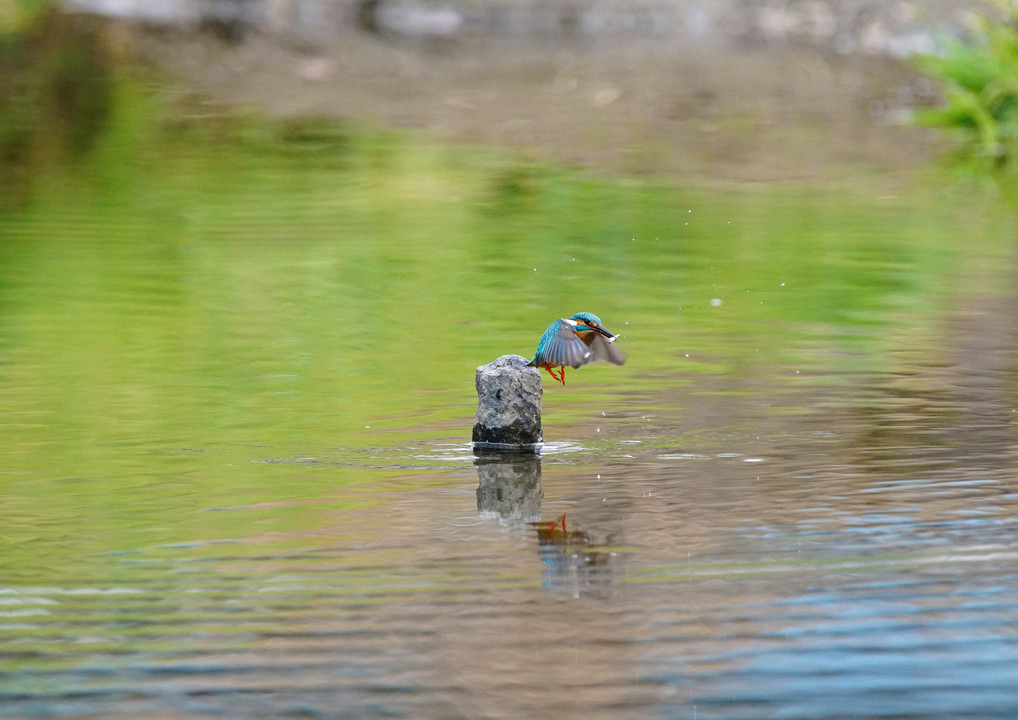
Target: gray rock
508,404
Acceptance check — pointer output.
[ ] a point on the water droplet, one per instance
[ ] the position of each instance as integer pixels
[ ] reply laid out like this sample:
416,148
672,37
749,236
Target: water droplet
715,302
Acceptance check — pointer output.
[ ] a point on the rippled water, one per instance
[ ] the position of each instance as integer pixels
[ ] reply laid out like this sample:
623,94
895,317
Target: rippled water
236,482
753,576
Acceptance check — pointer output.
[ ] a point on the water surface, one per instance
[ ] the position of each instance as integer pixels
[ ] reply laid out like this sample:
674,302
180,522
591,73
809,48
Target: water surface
236,367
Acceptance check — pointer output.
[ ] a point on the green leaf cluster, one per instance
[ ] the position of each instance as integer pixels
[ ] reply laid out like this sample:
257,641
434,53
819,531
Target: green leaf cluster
980,79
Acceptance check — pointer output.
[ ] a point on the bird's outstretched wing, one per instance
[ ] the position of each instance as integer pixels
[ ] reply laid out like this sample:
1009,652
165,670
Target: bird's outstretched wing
560,345
602,349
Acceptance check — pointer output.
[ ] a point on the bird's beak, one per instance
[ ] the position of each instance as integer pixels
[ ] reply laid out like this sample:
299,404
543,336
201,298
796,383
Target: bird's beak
601,329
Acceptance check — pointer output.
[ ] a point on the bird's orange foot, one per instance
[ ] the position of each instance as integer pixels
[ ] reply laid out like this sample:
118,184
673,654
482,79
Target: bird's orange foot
552,373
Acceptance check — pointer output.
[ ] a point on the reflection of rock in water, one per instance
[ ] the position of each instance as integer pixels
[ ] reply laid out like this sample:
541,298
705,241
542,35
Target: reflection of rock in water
509,486
578,562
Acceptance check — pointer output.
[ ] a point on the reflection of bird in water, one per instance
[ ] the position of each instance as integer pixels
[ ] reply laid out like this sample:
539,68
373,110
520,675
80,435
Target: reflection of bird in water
555,535
553,532
575,341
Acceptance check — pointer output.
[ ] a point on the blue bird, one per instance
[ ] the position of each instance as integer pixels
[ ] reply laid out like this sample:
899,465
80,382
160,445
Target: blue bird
575,341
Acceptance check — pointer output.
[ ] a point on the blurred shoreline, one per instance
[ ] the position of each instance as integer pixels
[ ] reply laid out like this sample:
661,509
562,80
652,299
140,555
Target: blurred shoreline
895,29
733,91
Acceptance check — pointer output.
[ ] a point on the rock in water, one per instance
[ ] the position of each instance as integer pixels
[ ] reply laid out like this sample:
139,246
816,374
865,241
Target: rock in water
508,404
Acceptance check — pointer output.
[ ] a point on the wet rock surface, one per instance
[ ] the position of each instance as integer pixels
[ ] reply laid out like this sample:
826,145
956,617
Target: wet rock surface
508,403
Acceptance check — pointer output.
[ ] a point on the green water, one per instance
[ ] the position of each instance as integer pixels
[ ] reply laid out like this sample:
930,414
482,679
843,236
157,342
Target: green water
230,341
206,290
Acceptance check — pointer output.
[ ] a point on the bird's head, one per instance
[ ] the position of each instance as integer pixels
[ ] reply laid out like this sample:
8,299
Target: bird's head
592,321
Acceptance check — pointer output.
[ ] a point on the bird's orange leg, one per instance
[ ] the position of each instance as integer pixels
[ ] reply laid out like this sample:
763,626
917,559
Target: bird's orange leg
563,372
550,372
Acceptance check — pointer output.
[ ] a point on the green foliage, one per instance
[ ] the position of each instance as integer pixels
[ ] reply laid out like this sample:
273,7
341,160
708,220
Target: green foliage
56,86
16,14
980,80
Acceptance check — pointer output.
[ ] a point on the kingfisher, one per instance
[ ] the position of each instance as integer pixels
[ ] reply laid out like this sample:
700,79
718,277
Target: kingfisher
575,341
